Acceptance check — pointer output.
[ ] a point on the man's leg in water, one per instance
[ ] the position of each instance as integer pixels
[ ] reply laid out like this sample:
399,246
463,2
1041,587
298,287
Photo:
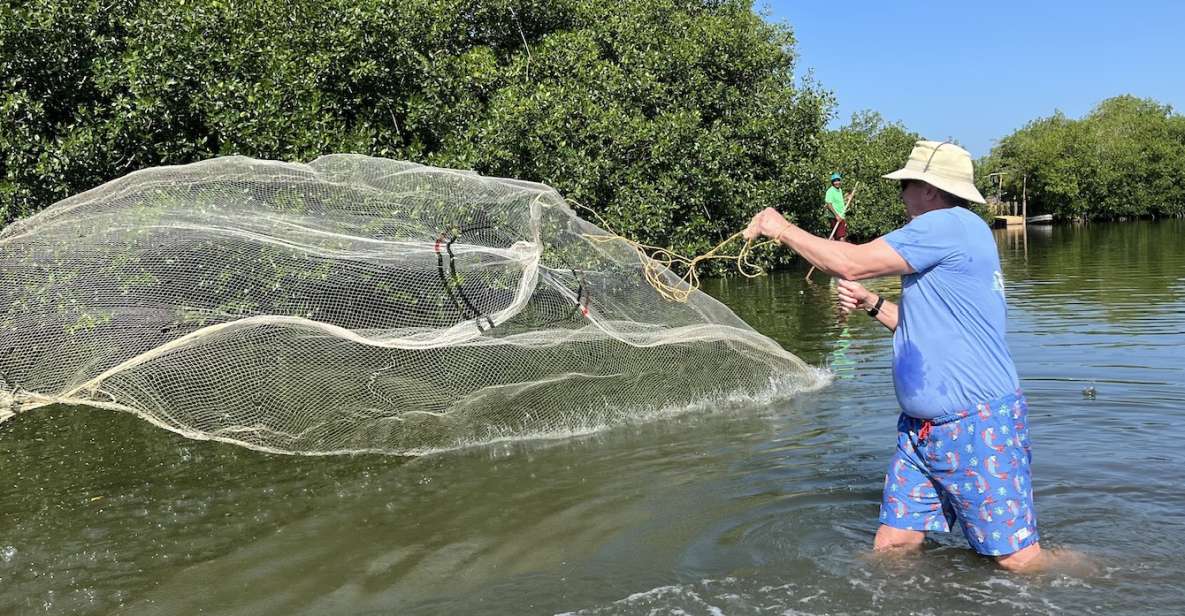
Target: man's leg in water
979,465
910,503
1034,559
1023,560
889,538
1030,559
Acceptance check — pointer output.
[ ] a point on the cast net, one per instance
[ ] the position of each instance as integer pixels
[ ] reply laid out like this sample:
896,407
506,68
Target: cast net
355,304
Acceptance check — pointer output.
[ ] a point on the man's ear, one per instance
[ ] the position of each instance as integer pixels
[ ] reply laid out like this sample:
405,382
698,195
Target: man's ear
930,192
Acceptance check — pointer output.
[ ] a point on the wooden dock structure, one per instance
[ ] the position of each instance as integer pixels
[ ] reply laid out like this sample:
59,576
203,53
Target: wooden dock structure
1008,221
1010,213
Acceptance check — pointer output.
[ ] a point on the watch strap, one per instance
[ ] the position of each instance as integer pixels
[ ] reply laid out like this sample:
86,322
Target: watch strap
875,310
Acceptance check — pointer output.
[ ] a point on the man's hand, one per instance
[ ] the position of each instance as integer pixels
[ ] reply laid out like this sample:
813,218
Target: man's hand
852,295
767,222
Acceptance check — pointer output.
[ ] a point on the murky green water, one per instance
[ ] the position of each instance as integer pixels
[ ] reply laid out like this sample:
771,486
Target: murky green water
763,511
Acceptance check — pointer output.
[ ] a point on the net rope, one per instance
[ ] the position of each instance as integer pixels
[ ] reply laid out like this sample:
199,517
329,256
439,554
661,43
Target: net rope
359,304
655,261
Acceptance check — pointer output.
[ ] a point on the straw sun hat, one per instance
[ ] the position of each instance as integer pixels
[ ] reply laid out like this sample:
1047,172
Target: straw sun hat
944,166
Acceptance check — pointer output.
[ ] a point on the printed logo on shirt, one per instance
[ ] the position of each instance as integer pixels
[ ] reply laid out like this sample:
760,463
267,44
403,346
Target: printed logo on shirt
998,282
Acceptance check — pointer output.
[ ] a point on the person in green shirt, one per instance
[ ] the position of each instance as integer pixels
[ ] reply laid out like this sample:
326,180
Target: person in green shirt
834,200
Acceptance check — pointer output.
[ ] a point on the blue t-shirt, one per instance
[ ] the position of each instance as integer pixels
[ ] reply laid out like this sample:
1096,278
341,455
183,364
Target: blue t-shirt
949,351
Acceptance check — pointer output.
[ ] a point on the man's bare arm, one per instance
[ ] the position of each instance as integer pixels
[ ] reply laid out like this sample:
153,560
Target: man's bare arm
840,259
843,260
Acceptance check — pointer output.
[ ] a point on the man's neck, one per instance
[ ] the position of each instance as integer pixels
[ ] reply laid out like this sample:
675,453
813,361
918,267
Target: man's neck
940,205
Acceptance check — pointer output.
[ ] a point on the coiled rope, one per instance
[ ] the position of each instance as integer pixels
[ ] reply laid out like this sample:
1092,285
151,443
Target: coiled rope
656,260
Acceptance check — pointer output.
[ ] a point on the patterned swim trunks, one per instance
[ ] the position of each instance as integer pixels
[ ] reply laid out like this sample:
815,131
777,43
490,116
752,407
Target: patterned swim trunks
970,468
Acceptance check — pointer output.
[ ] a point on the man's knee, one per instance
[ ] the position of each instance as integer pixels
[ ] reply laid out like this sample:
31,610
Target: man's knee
889,538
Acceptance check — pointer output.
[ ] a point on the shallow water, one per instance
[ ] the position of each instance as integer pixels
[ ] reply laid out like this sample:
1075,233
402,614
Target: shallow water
766,510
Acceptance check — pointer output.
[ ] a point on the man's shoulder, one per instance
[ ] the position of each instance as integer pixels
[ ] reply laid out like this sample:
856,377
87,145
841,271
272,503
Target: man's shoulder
948,235
951,217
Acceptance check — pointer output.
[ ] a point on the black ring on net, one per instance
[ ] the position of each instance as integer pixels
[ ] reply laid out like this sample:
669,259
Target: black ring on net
583,299
467,306
464,304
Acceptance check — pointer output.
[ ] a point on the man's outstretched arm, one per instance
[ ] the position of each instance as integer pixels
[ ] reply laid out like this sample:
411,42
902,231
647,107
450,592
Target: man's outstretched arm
839,259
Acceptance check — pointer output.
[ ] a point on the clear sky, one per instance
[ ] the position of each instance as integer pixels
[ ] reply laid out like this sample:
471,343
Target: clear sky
977,71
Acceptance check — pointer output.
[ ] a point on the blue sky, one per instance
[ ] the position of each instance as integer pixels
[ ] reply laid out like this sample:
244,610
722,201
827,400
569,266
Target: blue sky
978,71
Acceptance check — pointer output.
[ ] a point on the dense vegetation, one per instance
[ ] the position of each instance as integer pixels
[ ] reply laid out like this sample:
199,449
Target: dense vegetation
1125,158
677,119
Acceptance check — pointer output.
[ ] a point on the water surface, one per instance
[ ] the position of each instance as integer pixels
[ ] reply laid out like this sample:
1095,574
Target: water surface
762,510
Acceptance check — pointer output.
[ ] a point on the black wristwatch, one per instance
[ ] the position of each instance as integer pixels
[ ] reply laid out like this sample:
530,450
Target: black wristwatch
875,310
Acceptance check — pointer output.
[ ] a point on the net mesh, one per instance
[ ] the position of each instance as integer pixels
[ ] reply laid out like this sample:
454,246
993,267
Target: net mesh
355,304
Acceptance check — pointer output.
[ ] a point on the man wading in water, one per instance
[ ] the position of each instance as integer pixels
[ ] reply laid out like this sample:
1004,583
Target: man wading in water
962,440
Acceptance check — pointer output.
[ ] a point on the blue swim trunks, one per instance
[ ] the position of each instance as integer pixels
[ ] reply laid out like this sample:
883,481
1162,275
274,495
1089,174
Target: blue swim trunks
970,467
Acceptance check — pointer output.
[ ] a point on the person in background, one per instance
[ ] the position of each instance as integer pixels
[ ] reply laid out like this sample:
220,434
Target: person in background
835,201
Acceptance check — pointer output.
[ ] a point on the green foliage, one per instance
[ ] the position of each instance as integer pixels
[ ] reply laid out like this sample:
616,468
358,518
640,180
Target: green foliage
864,150
1125,158
676,119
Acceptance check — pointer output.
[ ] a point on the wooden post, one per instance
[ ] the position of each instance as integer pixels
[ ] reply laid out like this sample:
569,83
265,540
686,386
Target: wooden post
1024,195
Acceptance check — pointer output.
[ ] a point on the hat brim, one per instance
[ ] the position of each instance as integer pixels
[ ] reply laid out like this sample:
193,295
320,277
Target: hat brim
965,190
